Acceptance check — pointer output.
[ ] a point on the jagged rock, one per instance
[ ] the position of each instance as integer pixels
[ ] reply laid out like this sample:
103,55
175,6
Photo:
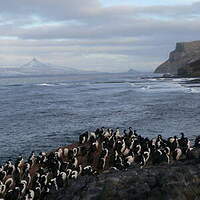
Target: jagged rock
185,54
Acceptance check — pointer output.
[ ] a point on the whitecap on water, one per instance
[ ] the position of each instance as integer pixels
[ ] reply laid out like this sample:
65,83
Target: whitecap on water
146,87
193,90
153,79
132,84
163,86
46,84
183,79
179,79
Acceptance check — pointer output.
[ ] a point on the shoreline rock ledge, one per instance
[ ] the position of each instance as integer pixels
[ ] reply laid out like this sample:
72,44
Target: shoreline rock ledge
183,60
179,181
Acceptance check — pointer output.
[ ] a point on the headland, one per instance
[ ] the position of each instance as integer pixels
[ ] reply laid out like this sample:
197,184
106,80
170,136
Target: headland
183,61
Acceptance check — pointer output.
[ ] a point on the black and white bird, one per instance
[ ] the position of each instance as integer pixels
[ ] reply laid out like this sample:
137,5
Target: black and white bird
184,143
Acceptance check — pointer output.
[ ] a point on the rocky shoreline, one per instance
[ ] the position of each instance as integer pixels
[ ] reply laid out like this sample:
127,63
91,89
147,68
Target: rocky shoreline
178,181
106,164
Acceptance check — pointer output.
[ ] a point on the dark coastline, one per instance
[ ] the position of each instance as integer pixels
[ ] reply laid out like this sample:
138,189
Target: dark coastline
178,181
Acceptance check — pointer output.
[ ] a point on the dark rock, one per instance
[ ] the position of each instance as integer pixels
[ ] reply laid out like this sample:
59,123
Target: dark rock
191,70
177,181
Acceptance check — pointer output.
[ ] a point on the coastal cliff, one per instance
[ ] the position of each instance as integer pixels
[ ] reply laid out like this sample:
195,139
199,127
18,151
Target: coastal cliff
181,59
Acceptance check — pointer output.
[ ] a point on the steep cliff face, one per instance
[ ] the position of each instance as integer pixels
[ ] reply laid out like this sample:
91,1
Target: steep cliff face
184,54
191,70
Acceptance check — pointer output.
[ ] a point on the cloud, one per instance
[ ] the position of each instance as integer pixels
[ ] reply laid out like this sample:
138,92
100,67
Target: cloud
86,32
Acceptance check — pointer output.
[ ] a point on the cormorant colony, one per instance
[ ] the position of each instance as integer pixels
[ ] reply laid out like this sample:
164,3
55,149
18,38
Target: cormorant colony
95,152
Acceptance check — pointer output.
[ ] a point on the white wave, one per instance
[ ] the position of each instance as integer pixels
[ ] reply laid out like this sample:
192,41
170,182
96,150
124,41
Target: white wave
191,79
63,84
193,90
164,86
146,87
132,84
183,79
46,84
153,79
179,79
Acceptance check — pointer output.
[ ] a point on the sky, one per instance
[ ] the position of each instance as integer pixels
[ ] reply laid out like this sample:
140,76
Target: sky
100,35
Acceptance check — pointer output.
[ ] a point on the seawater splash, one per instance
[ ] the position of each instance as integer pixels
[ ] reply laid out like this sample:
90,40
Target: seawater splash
167,85
146,87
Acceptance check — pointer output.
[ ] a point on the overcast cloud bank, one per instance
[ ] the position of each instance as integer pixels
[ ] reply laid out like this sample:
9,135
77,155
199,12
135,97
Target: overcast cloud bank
86,34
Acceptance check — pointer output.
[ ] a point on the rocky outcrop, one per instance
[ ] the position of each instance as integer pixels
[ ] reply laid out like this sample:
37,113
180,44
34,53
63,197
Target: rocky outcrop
179,181
191,70
184,54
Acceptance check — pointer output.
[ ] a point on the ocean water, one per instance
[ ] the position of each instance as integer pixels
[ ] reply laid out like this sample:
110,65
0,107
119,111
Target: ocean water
42,113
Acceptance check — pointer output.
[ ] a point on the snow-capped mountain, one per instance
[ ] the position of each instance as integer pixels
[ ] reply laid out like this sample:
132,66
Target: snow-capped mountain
36,67
34,63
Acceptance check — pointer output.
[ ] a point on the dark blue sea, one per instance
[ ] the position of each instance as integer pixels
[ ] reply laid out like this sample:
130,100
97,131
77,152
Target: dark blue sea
42,113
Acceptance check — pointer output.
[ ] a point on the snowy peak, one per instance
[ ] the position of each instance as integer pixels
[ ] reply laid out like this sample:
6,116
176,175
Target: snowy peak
35,63
35,67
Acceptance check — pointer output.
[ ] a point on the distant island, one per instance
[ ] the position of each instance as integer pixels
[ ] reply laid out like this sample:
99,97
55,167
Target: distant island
133,71
37,68
136,72
183,61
